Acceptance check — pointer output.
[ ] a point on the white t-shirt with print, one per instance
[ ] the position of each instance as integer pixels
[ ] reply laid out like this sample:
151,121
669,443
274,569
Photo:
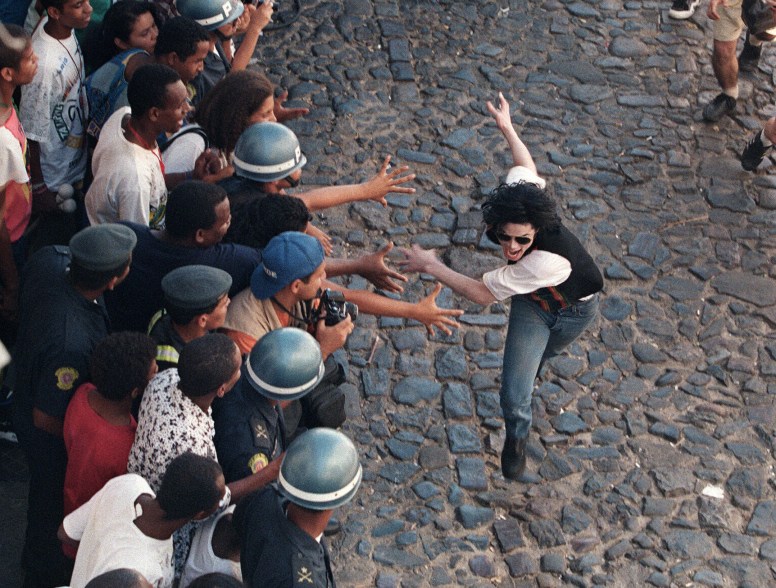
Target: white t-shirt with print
53,109
128,182
110,539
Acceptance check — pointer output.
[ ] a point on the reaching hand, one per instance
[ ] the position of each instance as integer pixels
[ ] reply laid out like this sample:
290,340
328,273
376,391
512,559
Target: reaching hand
432,316
261,16
418,259
375,270
282,113
388,181
501,114
325,240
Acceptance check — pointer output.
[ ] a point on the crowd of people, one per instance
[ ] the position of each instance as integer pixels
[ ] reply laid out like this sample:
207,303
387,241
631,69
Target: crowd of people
173,438
176,343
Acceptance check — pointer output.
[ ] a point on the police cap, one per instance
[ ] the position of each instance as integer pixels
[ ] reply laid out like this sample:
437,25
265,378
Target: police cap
195,287
102,248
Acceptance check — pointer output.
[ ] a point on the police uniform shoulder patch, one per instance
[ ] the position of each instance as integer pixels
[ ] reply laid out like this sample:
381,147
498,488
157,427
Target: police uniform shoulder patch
66,377
258,462
302,570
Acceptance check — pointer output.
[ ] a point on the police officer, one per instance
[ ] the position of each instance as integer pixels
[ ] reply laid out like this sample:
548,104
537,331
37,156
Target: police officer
284,365
62,317
196,298
280,530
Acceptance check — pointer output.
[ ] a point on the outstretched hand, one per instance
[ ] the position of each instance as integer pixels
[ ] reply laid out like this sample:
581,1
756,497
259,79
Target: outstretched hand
388,181
417,259
501,114
432,316
282,114
375,270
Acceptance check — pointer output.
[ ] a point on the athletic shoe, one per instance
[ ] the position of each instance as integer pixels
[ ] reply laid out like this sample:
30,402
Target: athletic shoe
683,9
753,153
750,57
719,107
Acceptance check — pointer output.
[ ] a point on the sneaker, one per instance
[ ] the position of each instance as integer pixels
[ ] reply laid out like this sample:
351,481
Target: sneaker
513,458
719,107
753,153
750,57
683,9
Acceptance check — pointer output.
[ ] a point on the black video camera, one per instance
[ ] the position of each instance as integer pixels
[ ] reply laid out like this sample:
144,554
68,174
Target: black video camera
336,307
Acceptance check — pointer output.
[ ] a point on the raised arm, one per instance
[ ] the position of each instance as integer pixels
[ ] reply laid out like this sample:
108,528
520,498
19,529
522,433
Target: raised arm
520,153
427,262
375,189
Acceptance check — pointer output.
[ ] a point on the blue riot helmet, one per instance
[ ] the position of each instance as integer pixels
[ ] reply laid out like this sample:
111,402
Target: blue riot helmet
266,152
285,364
320,470
211,14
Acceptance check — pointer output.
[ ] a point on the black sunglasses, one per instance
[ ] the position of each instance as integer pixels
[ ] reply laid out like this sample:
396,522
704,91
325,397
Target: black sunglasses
504,238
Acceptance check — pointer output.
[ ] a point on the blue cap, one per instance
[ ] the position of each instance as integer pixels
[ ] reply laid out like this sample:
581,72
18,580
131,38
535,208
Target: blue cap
287,257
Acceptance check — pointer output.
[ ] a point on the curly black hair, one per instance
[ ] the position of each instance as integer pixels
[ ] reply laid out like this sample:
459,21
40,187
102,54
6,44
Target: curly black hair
521,203
255,221
120,363
225,110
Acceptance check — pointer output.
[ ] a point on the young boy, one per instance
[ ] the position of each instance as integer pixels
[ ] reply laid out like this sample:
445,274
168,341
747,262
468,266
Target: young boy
221,19
182,45
18,65
126,525
130,183
53,107
99,427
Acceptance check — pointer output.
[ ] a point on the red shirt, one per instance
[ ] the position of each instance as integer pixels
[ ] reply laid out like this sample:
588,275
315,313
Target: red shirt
97,451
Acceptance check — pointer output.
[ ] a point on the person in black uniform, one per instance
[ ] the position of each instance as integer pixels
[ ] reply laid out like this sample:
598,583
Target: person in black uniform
280,530
284,365
550,278
62,317
196,298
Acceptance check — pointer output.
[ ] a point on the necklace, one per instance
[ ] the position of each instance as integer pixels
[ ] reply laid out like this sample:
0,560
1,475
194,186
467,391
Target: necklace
144,144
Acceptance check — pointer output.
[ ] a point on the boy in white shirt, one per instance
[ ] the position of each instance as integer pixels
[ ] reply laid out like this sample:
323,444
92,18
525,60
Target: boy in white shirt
126,525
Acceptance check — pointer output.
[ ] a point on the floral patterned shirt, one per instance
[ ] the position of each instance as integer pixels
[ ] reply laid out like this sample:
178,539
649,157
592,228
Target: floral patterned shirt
169,424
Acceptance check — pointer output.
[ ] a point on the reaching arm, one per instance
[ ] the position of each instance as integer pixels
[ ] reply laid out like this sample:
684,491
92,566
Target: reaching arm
374,189
520,153
260,17
372,267
426,311
257,481
426,261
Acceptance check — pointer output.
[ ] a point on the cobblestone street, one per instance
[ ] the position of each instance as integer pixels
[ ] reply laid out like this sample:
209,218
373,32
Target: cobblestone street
651,456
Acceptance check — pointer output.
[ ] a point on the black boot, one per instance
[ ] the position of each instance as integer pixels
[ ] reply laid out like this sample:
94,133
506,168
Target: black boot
513,458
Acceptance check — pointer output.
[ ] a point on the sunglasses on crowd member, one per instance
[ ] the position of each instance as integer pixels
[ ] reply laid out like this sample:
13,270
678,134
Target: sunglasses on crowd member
504,238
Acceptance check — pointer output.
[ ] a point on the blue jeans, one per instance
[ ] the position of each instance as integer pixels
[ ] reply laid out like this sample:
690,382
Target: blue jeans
533,336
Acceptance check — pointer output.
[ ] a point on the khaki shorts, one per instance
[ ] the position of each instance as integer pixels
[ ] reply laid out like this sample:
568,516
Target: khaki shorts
730,24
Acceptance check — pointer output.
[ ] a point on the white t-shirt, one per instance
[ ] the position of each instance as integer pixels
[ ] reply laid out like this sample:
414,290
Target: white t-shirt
12,165
520,173
538,269
128,182
202,560
181,155
111,540
53,109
